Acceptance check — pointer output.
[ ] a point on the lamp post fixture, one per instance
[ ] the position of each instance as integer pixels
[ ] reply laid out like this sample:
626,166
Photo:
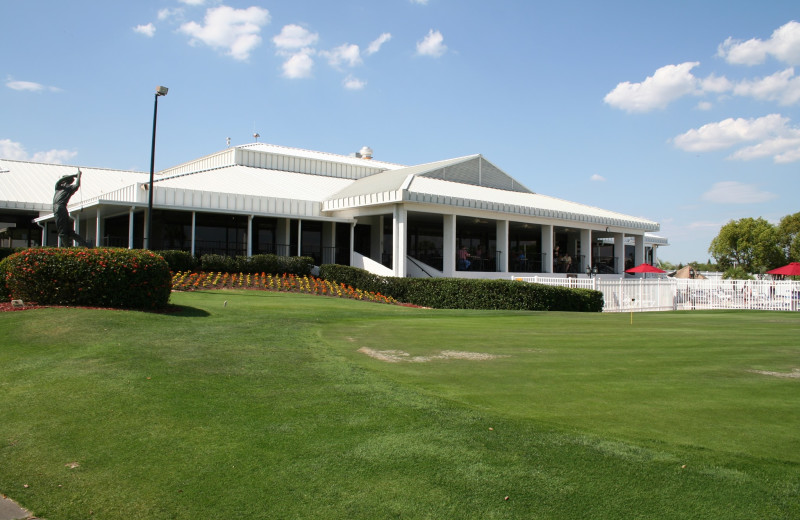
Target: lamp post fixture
591,271
160,91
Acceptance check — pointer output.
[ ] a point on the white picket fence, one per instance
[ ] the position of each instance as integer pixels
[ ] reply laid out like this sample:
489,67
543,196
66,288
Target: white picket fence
668,294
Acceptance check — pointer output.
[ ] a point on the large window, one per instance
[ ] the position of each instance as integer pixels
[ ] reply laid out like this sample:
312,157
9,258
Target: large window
221,234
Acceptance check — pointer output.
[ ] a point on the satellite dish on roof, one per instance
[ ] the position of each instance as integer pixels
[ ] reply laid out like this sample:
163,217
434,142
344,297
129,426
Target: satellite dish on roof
366,152
256,136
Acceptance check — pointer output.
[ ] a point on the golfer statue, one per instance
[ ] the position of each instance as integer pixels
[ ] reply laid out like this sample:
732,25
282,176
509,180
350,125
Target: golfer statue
65,189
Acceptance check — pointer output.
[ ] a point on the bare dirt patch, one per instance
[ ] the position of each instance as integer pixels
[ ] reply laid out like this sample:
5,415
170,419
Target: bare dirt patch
400,356
794,374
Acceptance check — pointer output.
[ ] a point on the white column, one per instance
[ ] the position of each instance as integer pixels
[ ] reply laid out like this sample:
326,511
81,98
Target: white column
619,252
131,215
352,240
299,237
194,232
98,227
449,245
547,249
399,240
586,249
250,235
638,248
502,246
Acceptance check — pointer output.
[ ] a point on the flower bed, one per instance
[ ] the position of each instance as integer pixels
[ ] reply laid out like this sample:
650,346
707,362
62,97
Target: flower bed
194,281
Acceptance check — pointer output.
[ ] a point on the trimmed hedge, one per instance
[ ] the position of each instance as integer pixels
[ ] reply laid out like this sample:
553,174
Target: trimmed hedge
178,260
460,293
270,264
102,277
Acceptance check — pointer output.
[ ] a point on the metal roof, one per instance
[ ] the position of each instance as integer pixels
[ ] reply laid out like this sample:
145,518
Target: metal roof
467,170
322,156
245,179
258,182
30,186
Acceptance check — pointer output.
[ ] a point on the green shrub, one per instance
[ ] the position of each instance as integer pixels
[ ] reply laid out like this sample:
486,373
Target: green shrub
461,293
271,264
121,278
215,263
178,260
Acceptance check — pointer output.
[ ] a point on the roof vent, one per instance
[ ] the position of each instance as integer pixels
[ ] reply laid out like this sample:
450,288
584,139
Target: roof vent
365,152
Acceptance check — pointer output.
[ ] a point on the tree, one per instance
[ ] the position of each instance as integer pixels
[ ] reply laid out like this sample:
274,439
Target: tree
755,245
789,229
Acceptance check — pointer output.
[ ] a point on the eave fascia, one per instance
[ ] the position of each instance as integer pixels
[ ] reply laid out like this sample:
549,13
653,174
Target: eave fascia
528,211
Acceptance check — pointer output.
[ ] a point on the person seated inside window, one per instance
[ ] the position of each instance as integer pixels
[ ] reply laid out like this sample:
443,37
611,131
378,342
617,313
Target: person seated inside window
463,259
567,263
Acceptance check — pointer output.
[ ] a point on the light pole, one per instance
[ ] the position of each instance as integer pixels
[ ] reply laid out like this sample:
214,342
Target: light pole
160,91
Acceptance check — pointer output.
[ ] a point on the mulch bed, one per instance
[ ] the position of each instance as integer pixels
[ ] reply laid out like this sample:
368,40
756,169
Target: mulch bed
7,307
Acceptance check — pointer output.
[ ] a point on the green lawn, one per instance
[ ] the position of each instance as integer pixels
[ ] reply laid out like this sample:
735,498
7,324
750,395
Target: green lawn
268,408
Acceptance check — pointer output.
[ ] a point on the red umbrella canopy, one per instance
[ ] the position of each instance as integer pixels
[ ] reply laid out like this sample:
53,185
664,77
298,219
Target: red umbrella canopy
644,268
792,269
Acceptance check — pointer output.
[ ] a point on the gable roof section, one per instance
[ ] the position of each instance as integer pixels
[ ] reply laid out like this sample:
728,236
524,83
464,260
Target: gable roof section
385,186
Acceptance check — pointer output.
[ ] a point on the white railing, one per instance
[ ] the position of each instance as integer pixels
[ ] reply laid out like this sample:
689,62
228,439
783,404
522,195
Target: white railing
671,294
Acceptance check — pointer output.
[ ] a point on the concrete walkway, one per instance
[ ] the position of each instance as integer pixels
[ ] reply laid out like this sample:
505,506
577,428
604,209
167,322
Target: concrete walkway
9,510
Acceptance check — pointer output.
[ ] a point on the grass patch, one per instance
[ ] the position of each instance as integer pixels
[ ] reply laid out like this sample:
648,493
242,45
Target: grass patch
264,408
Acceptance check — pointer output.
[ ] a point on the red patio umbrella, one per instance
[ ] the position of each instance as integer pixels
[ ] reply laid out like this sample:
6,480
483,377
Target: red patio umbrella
792,269
644,268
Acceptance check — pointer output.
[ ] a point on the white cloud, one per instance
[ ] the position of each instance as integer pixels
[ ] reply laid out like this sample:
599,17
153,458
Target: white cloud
772,135
598,178
432,45
53,156
192,2
716,84
235,30
731,132
782,87
784,45
732,192
376,44
293,37
12,150
165,14
704,105
782,149
657,91
347,53
298,65
420,2
353,83
294,42
148,30
30,86
15,151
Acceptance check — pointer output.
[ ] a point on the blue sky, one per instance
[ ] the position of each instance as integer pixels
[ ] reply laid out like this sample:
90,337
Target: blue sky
683,112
